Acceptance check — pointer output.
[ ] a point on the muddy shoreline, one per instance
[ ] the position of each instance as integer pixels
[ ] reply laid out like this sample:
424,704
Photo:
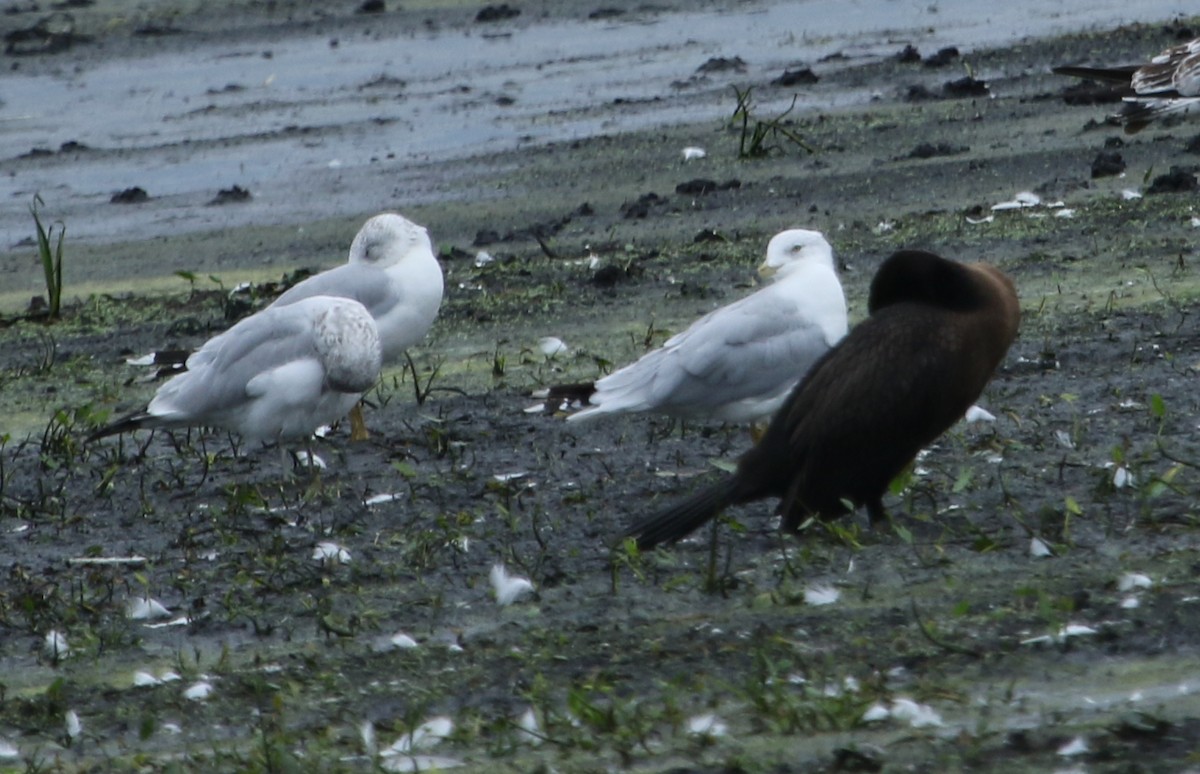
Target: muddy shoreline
1076,650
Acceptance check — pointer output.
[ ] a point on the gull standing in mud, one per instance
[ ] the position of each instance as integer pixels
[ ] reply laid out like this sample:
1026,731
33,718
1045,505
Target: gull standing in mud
393,272
275,376
937,331
738,362
1169,84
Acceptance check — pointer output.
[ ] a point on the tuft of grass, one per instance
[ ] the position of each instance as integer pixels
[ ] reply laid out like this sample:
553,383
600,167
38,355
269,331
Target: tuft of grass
759,137
52,258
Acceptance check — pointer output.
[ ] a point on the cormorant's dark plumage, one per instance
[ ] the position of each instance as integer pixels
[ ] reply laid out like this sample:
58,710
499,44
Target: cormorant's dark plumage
937,330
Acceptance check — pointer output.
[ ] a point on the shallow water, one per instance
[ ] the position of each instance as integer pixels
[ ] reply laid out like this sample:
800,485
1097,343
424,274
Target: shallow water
315,129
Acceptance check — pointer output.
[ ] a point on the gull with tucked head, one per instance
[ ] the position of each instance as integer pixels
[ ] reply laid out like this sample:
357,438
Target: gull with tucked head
393,272
738,362
275,376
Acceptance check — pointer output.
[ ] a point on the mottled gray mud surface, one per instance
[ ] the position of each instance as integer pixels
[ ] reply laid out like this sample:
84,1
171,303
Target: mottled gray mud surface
1080,659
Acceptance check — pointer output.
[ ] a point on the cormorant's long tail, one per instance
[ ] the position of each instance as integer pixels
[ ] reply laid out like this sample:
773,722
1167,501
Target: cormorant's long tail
684,517
1122,75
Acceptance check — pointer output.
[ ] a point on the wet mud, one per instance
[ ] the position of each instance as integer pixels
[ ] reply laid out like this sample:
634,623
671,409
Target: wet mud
1032,605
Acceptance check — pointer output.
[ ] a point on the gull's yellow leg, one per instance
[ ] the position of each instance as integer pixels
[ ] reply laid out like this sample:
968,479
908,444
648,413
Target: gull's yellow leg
358,427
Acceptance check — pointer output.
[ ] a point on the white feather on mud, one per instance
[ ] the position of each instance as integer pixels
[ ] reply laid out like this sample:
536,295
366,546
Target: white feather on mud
508,588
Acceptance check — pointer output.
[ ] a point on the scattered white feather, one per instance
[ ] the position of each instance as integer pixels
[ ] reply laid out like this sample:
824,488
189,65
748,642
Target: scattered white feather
73,725
1122,477
529,729
379,499
692,152
198,691
1021,201
144,360
1129,194
1131,602
1195,222
884,226
330,552
1134,580
1038,548
980,221
552,346
536,408
1064,439
402,641
307,459
8,750
55,645
1076,630
876,712
483,258
818,595
916,715
1077,746
1062,635
504,478
182,620
979,414
366,734
707,725
145,608
1065,212
423,737
507,588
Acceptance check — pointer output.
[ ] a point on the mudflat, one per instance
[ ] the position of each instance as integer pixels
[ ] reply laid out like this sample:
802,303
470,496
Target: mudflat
1032,605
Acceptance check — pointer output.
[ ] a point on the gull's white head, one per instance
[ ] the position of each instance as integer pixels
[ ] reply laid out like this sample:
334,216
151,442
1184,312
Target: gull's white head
790,249
387,239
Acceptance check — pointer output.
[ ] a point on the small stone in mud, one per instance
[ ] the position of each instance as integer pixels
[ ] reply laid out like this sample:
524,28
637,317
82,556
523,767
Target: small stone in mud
1107,164
229,88
134,195
701,186
1177,180
485,236
928,150
1117,142
918,92
606,13
51,34
1193,145
585,210
965,86
721,64
372,6
796,78
942,58
697,187
608,275
494,13
641,208
708,235
909,55
231,195
156,31
71,146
